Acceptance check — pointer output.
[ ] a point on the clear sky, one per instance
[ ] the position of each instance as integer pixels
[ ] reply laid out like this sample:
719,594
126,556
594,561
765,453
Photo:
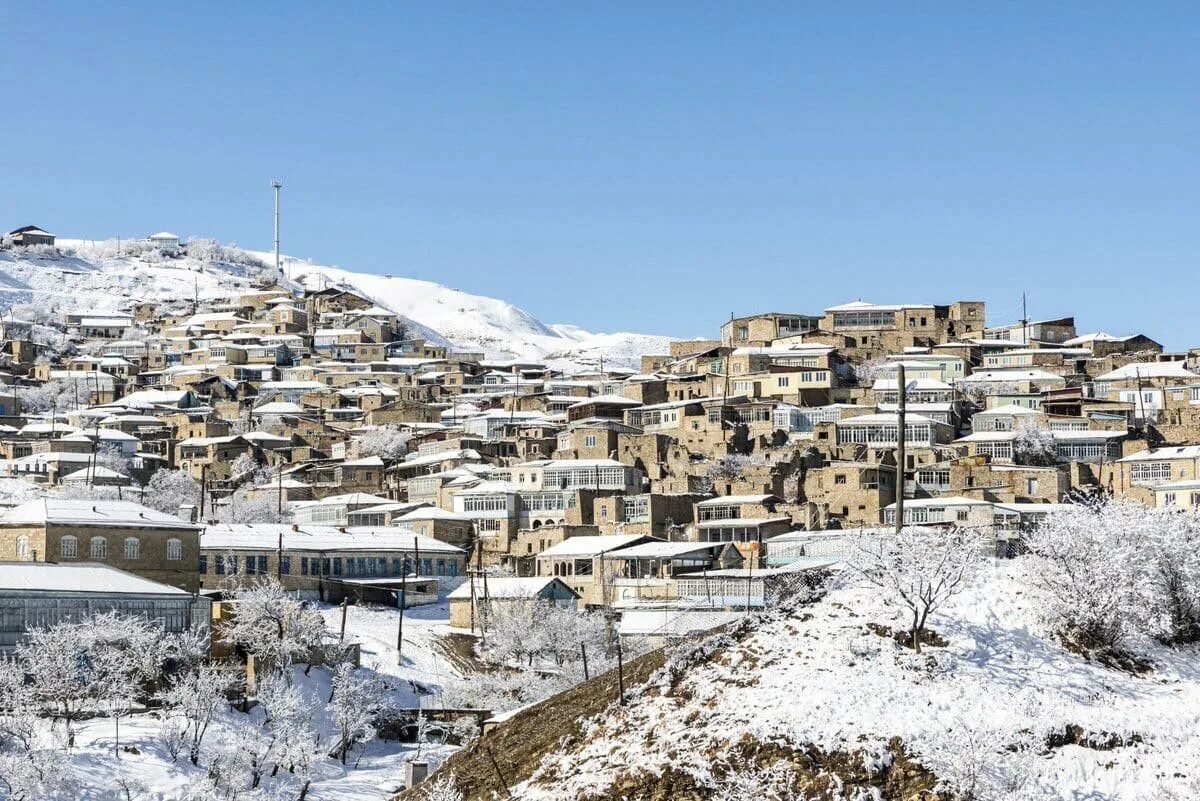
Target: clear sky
634,165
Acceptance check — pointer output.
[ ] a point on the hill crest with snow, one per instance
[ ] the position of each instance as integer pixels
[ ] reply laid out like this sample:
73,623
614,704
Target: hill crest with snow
80,275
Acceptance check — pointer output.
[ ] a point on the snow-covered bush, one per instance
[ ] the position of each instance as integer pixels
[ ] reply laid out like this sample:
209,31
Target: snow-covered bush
51,396
1105,567
443,787
733,466
1082,558
1034,445
919,568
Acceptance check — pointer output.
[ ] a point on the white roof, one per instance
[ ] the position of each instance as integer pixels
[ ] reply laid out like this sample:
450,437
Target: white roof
1179,452
1006,410
984,376
265,536
893,382
164,235
1136,370
590,545
506,587
88,577
949,500
860,305
665,550
614,400
887,417
61,512
279,407
736,499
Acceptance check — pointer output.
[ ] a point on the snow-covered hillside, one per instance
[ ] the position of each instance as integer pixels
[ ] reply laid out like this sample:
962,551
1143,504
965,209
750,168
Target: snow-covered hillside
999,711
87,276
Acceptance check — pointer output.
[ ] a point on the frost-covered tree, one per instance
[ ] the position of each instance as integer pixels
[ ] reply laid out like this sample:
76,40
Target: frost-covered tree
868,371
244,467
193,699
1168,563
50,397
1034,445
733,466
273,625
126,654
167,490
919,568
113,458
389,444
358,699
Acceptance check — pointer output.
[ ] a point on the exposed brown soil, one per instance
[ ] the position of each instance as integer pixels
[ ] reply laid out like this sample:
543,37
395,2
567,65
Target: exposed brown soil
929,637
509,753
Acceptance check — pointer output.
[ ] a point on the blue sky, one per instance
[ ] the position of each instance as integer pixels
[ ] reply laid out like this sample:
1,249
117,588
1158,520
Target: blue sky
639,166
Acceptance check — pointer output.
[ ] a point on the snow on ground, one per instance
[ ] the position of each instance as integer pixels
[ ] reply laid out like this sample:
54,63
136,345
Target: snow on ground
425,664
375,771
820,676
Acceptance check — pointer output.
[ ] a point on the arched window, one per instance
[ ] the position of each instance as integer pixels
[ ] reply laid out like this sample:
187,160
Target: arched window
133,547
174,550
22,547
69,547
99,548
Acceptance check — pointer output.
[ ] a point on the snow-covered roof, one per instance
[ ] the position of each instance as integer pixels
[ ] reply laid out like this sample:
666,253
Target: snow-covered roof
737,499
590,545
985,376
265,536
506,587
860,305
1163,454
1009,409
63,512
893,382
610,400
1135,370
665,550
84,577
886,418
163,235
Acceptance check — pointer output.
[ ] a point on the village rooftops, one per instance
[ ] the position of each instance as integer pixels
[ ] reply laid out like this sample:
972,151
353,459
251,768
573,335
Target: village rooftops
606,400
265,536
78,577
62,512
893,382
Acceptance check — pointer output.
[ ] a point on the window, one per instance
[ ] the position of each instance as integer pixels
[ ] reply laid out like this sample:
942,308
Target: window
839,479
133,547
784,381
99,548
337,565
22,547
590,441
262,565
1169,499
203,564
69,547
1149,472
1031,486
961,515
285,565
304,565
174,550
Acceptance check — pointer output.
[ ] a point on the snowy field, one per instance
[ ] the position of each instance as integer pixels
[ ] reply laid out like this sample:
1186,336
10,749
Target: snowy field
968,711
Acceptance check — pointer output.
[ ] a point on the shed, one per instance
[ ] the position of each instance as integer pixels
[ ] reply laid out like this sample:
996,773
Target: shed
500,590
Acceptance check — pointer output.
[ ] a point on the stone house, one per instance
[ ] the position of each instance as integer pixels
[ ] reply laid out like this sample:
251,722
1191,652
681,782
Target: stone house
121,534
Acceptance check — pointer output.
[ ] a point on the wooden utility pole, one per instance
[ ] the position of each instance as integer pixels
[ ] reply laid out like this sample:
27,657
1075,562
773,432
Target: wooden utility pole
203,489
902,383
583,653
1024,321
342,631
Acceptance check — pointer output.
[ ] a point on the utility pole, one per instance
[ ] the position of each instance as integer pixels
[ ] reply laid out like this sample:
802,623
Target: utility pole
1024,321
277,185
902,383
725,392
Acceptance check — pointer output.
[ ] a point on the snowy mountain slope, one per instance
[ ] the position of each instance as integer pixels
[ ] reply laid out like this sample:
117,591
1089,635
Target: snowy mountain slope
91,276
1001,709
497,327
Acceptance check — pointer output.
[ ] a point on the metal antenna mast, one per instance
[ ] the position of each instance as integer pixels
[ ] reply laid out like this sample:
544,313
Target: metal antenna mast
277,185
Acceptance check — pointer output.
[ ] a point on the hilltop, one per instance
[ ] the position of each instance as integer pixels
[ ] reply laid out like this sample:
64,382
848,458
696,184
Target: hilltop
81,275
